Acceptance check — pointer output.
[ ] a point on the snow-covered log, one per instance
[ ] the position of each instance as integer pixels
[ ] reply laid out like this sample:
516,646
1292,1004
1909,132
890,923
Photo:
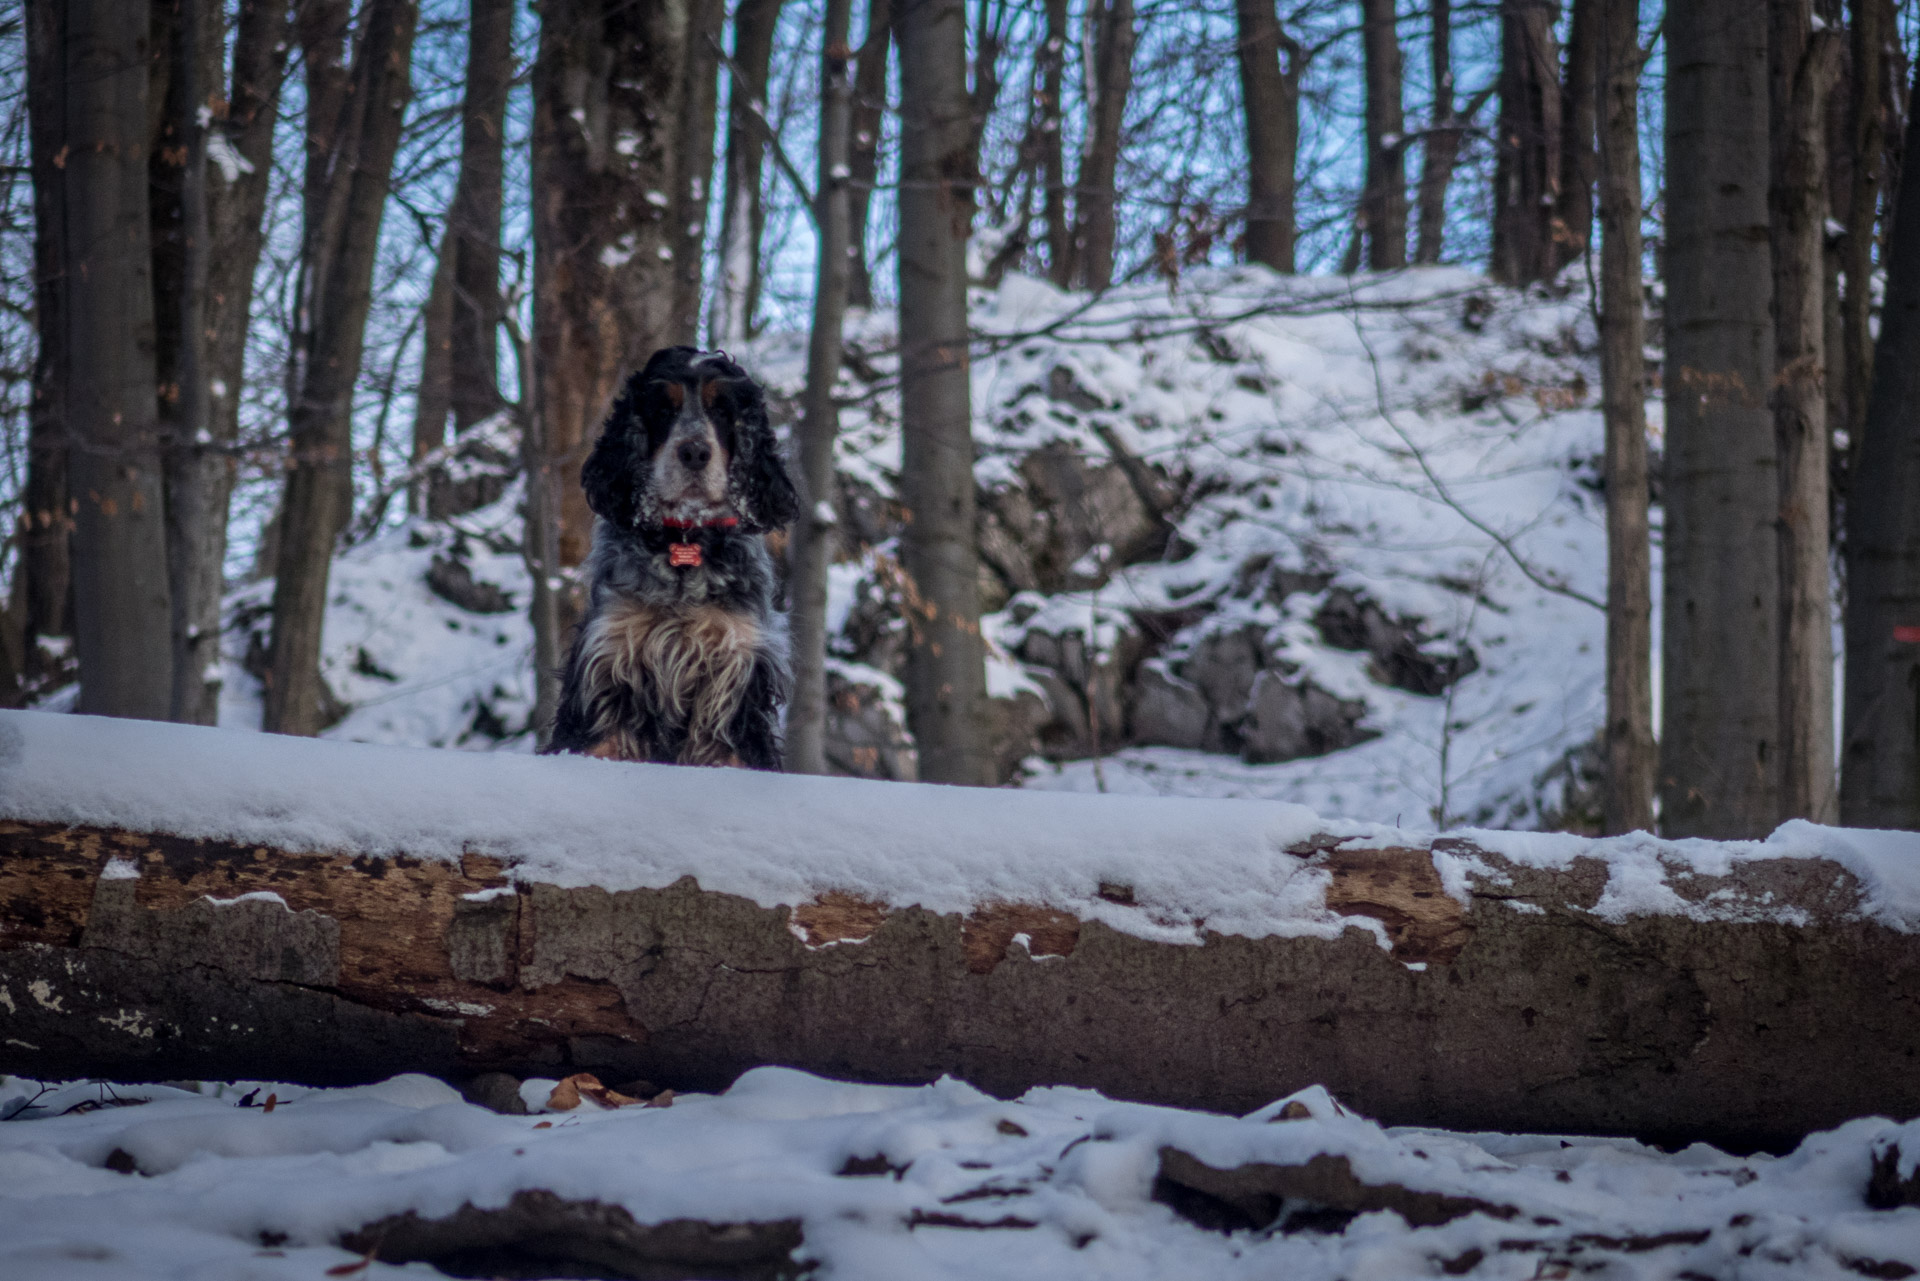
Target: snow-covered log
182,902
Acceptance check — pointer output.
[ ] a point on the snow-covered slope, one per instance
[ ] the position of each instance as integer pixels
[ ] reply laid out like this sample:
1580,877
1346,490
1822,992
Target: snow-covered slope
1423,442
1357,519
886,1183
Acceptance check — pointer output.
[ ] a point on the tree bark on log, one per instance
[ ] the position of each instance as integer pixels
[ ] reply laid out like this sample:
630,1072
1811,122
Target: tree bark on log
137,955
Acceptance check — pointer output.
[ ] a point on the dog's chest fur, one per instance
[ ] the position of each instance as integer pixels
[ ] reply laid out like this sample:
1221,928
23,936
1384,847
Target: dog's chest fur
687,665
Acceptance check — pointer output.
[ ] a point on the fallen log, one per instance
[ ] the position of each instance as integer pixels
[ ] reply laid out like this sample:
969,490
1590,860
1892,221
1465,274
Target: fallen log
186,903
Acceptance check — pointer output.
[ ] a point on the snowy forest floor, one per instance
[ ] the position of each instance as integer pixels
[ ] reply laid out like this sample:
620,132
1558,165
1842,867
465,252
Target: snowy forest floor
884,1183
1424,442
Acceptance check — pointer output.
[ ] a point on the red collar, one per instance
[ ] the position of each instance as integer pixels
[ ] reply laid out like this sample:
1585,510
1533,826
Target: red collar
723,522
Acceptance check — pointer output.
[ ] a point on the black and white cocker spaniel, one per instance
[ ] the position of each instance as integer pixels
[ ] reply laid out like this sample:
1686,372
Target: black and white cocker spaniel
678,659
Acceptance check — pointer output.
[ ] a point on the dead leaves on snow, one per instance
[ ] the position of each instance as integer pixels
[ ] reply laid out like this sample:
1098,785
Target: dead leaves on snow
566,1096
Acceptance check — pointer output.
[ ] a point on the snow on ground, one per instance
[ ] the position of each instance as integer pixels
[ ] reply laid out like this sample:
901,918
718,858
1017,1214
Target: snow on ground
1429,439
1426,438
1055,1185
1193,864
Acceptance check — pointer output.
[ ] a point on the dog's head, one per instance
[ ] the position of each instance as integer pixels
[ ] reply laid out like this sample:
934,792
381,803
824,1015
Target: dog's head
688,441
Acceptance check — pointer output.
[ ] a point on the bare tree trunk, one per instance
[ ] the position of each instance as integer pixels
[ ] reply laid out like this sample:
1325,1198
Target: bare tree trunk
1442,145
869,107
337,291
946,675
989,42
1270,95
186,76
1802,64
812,545
693,163
1880,780
1110,79
1870,27
433,398
460,323
743,217
1579,156
1383,203
1720,739
604,274
1527,172
1628,803
236,205
119,544
474,222
47,520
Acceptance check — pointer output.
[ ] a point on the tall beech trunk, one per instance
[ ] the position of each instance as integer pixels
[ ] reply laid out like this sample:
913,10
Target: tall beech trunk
474,222
1383,202
185,80
1870,27
1109,80
1579,152
1441,149
869,111
1720,739
1802,64
1527,167
1052,56
697,109
989,41
812,546
1880,763
46,546
433,398
121,605
946,673
1270,96
1628,803
743,217
337,257
460,323
605,157
237,184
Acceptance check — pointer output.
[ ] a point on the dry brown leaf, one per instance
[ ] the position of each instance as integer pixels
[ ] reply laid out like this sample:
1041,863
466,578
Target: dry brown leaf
273,1101
585,1085
664,1099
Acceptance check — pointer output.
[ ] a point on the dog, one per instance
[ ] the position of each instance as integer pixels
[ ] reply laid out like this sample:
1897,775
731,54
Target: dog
678,659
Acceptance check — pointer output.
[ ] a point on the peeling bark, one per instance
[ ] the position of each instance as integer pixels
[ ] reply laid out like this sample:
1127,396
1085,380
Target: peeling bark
1512,1006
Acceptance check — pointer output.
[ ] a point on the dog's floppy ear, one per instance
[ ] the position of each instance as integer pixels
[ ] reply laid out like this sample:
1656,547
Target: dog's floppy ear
762,490
613,470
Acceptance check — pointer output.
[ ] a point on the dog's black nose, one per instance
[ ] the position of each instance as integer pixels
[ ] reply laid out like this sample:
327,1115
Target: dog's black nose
695,454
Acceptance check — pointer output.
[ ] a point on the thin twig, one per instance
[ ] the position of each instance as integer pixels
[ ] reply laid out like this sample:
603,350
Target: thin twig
1440,490
742,85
